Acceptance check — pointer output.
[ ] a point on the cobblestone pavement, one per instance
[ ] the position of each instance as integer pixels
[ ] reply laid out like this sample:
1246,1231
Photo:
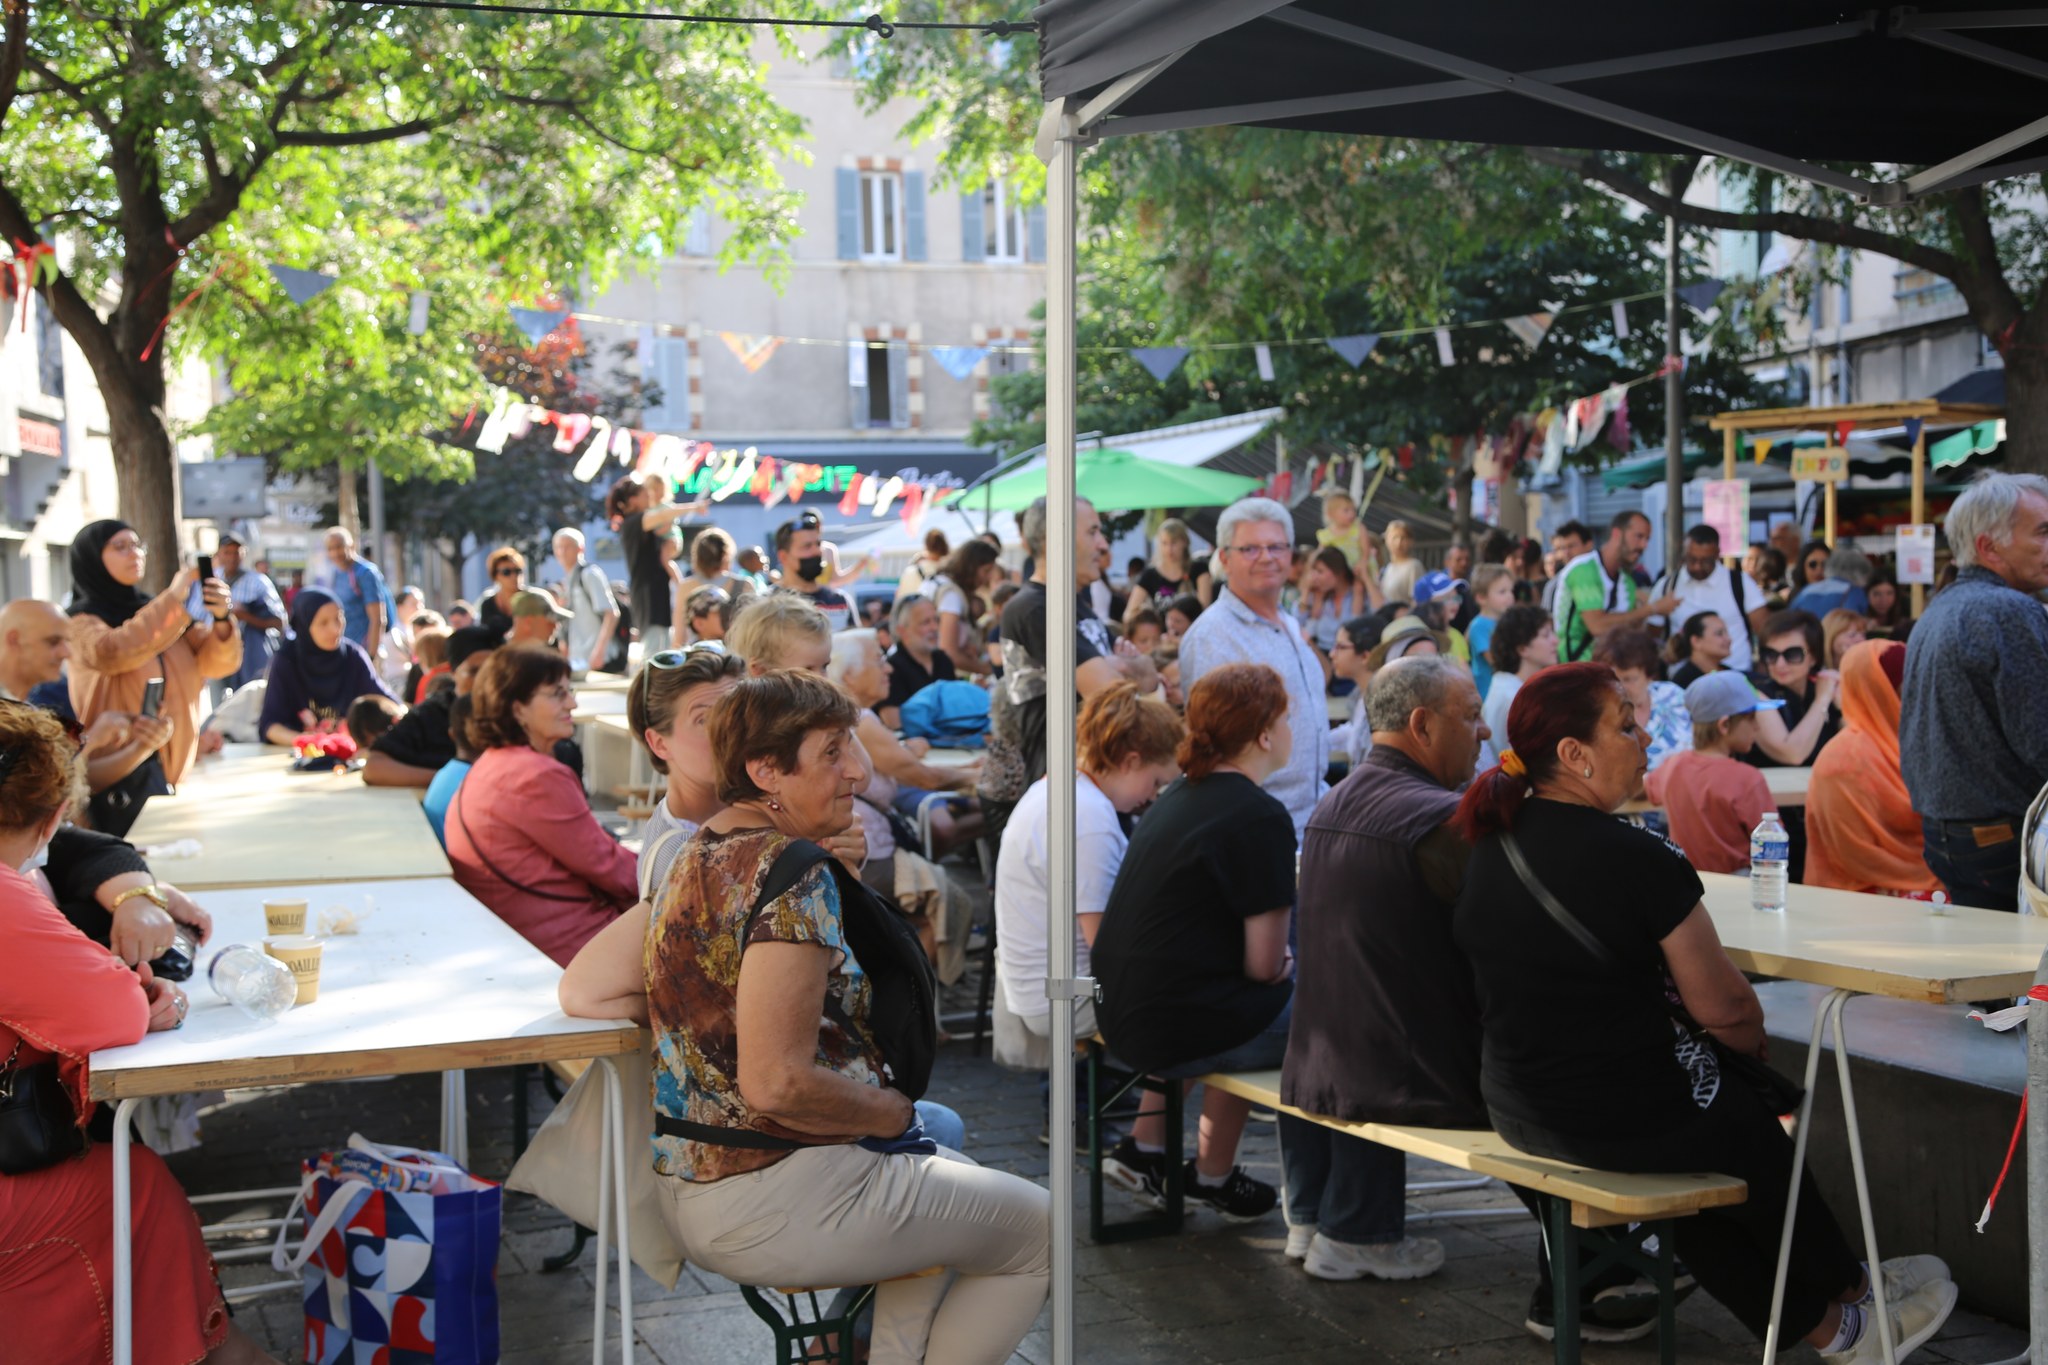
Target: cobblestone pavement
1217,1293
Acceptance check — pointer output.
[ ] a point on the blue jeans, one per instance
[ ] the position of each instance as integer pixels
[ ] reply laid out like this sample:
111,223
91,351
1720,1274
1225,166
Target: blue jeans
1986,876
1263,1051
942,1125
1349,1189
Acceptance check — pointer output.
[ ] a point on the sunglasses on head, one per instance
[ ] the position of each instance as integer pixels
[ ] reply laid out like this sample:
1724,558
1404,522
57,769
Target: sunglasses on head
1794,655
676,658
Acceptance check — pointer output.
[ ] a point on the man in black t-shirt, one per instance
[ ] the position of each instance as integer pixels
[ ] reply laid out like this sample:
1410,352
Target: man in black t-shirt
639,504
1096,664
800,548
915,660
419,745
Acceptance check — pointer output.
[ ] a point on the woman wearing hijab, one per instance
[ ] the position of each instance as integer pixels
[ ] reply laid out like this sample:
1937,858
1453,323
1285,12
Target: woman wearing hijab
1861,831
121,637
317,673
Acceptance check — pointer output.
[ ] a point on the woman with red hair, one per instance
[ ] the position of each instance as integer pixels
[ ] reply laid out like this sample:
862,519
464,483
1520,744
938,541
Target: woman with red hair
1192,954
1607,1008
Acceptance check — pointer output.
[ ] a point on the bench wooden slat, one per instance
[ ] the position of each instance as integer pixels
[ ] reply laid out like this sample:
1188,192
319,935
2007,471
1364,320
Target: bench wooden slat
1598,1198
569,1070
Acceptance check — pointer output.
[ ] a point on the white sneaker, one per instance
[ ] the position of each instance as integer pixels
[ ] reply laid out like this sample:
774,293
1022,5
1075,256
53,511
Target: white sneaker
1409,1259
1915,1319
1903,1276
1298,1239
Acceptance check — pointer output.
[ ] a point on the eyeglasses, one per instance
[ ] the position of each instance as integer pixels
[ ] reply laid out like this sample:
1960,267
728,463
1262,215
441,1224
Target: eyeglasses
508,573
560,692
1261,551
1794,655
676,658
132,546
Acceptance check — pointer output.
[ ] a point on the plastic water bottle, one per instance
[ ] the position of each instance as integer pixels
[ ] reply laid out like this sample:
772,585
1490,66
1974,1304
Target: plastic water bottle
1770,851
252,981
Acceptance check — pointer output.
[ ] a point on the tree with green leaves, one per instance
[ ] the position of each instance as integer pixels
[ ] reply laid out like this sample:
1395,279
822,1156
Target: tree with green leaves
1437,200
173,149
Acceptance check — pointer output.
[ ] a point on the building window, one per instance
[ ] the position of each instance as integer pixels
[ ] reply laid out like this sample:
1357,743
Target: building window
1002,223
697,232
49,349
1913,287
878,385
881,216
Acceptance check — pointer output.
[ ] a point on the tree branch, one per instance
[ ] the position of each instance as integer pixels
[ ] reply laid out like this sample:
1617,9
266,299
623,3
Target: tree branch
73,310
1808,227
11,56
363,137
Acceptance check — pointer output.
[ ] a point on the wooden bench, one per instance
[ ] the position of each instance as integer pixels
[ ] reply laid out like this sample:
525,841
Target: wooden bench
1574,1199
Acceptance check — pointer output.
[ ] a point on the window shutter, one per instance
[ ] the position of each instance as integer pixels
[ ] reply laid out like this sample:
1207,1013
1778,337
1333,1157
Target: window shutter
666,364
849,214
697,232
973,235
857,393
899,384
1035,247
913,216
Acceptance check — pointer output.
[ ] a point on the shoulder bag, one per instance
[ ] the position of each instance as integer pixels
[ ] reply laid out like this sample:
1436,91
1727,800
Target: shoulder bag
38,1126
902,1012
1777,1092
455,809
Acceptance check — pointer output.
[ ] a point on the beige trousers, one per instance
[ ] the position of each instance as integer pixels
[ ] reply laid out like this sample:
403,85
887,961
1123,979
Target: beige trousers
835,1216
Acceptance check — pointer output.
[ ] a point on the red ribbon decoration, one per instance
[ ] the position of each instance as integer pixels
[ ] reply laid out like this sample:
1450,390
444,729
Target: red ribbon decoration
24,265
183,304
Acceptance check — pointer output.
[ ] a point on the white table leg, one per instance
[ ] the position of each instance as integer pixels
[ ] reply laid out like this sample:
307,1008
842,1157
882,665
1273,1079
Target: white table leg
455,1116
124,1236
604,1229
1820,1016
615,1124
1884,1322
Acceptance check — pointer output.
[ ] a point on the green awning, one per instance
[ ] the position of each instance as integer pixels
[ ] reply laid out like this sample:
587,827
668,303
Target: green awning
1645,470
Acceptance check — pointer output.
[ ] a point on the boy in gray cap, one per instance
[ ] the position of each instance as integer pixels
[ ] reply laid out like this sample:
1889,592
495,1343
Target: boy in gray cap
1712,800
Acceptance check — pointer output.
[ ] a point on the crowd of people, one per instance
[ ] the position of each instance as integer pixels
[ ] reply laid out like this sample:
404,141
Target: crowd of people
795,897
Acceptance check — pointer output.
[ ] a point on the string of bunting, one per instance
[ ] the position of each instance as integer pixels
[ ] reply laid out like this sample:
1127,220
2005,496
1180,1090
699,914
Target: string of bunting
700,467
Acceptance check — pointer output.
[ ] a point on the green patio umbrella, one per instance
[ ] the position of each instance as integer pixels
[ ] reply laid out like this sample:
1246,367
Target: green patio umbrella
1117,481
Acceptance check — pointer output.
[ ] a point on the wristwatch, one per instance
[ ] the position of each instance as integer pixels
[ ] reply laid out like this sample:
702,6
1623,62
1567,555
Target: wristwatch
148,893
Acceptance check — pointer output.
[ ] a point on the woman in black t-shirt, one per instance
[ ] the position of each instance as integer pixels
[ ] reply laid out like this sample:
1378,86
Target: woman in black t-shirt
1174,572
638,506
1585,1058
1192,955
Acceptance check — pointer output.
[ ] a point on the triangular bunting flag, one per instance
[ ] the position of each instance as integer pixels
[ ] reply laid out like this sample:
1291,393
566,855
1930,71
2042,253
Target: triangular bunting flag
1618,434
570,430
416,313
959,361
849,503
1443,348
750,350
1355,349
594,454
1159,361
1531,328
1358,482
1620,311
301,286
1263,354
1700,294
535,323
1913,426
1842,430
1760,449
1553,441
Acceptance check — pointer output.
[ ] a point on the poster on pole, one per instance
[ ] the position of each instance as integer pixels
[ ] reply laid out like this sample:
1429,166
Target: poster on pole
1724,505
1916,554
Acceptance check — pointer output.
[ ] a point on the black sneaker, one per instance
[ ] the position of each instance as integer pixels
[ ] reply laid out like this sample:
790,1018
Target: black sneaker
1143,1174
1240,1199
1606,1320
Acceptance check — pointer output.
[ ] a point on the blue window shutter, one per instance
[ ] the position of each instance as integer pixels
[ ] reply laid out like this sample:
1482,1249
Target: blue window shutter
913,216
899,384
849,214
665,363
973,236
1035,248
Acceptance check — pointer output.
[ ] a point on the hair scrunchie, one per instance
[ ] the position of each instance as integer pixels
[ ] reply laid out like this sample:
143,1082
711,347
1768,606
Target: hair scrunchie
1511,764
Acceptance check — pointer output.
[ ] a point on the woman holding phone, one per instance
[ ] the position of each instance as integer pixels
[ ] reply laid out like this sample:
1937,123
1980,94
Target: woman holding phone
122,638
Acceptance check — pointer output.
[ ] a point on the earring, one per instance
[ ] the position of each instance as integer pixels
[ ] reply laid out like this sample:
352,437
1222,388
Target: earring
775,805
1588,772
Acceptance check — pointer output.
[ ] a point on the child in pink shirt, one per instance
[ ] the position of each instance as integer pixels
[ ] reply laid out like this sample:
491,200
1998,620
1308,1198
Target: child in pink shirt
1711,800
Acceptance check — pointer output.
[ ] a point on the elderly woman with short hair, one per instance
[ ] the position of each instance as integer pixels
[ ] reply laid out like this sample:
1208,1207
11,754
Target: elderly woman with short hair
790,1156
521,837
1844,584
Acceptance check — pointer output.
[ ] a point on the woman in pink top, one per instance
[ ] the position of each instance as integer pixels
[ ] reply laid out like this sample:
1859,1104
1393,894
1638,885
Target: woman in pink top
520,833
1711,799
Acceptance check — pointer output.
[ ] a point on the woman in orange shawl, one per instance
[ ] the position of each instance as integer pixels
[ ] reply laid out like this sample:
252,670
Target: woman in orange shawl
1862,833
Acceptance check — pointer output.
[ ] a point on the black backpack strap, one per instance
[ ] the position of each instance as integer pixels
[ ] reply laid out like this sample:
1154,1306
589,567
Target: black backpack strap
789,867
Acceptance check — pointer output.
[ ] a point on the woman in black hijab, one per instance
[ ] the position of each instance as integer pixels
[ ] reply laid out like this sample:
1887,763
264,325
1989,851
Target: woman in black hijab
121,638
317,674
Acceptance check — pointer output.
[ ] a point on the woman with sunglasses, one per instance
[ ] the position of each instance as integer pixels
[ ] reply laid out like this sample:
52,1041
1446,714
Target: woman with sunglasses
1792,657
521,837
508,578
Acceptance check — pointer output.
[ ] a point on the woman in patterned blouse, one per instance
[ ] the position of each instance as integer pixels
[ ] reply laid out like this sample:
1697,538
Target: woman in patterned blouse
765,1067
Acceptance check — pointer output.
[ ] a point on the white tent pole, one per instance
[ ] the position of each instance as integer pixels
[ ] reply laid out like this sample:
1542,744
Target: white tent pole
1061,385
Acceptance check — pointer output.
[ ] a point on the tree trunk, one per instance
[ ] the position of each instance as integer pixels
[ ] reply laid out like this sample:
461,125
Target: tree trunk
1512,515
1461,510
345,513
2026,409
145,463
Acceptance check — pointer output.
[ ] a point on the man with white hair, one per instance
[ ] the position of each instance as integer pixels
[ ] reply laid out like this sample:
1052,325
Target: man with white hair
1255,541
593,611
1973,724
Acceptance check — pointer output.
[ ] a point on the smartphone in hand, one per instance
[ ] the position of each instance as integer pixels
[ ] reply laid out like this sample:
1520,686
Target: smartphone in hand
195,601
152,697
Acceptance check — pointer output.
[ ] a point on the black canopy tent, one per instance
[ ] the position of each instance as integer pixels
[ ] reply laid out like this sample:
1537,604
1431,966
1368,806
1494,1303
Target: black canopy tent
1952,93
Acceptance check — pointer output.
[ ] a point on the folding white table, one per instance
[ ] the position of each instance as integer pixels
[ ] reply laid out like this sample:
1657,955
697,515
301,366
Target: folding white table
432,982
1857,944
1788,788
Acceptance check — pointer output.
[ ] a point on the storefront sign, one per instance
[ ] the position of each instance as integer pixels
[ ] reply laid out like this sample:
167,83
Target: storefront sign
39,438
1821,464
1724,505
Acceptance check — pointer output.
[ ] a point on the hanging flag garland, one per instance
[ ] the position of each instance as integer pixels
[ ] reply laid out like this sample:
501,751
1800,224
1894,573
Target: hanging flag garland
750,350
1262,356
1443,347
301,286
1355,349
958,361
1159,361
535,324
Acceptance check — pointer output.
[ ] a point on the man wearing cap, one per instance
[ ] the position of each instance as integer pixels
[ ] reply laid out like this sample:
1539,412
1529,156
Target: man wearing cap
800,548
1596,593
1437,603
257,607
536,617
413,750
1712,800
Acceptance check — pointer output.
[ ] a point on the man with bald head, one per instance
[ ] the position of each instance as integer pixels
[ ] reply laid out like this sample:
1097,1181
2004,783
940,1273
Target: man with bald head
34,644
